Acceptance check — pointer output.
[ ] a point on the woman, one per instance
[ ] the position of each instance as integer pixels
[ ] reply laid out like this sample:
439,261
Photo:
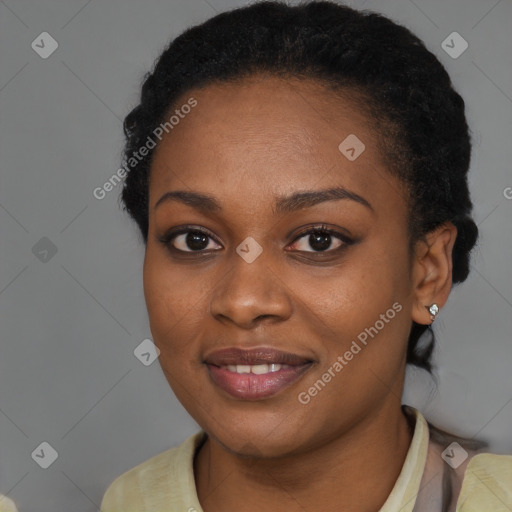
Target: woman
299,177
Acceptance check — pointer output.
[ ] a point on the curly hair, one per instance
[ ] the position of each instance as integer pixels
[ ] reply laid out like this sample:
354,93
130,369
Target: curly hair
407,92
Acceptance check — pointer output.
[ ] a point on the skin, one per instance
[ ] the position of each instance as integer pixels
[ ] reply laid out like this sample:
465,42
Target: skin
246,144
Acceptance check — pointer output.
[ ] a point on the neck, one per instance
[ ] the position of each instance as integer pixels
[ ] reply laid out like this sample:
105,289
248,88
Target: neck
357,469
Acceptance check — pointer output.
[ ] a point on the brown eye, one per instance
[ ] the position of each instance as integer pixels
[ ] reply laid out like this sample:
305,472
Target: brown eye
189,240
320,239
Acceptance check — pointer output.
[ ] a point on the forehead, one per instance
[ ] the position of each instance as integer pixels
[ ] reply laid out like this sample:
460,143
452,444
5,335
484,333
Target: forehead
268,136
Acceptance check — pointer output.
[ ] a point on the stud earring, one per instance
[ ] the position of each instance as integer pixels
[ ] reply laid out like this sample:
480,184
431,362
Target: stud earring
433,310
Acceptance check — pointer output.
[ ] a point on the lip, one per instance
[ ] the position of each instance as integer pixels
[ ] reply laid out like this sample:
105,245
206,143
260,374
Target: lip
258,355
250,386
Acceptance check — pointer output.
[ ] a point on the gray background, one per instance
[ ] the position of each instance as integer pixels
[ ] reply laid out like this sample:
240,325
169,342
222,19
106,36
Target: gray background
68,374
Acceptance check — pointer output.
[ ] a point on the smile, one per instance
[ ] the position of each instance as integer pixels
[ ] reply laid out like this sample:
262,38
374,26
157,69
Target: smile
257,369
255,382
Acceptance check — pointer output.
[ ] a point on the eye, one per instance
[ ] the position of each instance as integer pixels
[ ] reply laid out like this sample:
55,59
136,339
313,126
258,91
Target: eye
189,239
320,239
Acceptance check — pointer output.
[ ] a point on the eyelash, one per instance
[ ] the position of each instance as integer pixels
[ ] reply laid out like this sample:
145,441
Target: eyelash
168,237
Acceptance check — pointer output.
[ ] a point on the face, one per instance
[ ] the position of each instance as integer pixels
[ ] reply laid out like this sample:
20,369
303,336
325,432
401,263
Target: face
270,261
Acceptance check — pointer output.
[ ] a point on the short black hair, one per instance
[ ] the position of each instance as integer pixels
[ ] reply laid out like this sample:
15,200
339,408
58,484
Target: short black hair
381,64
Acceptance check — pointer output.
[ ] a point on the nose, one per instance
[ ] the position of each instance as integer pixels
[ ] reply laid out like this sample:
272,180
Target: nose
250,293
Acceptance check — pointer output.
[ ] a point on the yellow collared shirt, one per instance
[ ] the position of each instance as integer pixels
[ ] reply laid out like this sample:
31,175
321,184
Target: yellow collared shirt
165,483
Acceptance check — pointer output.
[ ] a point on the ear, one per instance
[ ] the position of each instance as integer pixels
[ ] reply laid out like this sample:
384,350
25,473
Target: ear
432,271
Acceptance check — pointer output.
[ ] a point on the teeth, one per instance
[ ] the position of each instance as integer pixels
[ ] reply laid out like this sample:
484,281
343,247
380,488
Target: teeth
257,369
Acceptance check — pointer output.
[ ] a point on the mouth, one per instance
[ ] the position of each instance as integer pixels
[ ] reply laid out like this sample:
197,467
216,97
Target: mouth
257,373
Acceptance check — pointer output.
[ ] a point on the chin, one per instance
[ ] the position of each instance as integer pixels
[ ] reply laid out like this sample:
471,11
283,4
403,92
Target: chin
254,433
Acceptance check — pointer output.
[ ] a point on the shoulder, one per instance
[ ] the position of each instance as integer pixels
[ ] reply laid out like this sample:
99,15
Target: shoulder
154,482
7,505
127,491
479,482
487,484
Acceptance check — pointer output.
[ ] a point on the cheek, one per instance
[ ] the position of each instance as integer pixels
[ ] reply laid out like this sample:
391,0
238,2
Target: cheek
171,302
361,309
354,293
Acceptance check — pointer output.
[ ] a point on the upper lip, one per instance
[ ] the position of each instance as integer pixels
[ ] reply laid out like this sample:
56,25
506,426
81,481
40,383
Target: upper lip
258,355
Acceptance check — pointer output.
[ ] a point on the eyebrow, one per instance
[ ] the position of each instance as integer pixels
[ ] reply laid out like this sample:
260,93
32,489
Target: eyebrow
283,204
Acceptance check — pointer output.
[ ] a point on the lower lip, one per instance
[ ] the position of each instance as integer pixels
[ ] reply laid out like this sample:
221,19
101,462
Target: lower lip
249,386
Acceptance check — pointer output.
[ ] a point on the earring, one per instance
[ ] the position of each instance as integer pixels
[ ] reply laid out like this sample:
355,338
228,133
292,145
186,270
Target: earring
433,310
